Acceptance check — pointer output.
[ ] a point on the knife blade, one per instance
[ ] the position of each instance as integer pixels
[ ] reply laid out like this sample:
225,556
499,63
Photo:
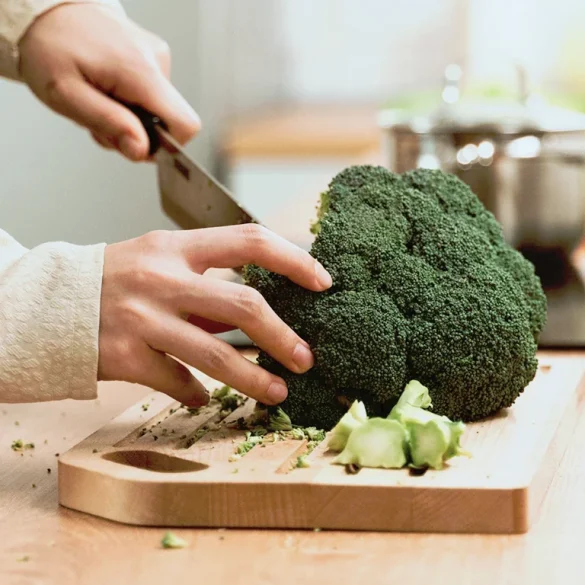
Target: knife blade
190,195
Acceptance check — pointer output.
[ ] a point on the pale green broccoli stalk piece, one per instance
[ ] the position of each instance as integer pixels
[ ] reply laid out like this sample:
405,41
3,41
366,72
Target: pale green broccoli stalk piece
376,443
432,439
170,540
414,394
455,449
428,442
351,420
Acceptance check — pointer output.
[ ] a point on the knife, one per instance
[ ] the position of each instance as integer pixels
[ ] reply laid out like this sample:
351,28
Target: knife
190,196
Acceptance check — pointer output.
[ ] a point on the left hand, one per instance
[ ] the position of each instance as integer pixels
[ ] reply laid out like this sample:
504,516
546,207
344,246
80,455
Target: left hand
77,57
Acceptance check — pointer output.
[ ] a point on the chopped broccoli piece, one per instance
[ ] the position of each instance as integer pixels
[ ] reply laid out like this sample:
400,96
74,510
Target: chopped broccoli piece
279,421
253,438
433,439
351,420
18,445
145,406
231,401
220,393
425,287
170,540
378,442
428,442
428,439
302,461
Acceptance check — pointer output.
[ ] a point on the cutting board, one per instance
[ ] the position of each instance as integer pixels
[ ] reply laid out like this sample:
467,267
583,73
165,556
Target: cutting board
159,465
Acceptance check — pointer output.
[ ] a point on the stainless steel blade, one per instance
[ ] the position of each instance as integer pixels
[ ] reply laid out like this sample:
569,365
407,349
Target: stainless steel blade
190,195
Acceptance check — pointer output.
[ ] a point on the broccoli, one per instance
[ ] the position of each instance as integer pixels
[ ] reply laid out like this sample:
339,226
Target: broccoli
410,435
425,288
350,421
376,443
432,438
170,540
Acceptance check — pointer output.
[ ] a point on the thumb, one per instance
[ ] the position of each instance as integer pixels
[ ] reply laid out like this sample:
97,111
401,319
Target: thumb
77,99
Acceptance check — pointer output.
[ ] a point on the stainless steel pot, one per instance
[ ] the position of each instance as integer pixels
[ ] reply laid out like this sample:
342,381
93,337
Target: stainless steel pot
524,159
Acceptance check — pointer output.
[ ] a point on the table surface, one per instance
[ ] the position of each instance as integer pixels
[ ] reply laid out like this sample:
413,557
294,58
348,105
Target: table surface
44,543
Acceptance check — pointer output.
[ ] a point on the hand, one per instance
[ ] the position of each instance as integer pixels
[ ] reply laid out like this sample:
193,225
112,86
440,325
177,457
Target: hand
154,290
77,57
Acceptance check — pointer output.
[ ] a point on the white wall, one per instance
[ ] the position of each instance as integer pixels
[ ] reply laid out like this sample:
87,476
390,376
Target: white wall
367,50
229,56
55,184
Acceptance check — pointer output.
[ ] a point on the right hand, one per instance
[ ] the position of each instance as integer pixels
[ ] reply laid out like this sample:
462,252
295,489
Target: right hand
157,305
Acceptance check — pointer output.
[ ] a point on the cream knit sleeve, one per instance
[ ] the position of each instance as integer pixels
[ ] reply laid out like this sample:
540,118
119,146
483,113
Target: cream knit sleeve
49,295
15,18
49,320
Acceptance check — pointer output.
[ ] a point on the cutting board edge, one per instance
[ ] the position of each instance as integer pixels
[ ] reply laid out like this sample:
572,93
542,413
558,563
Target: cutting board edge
318,509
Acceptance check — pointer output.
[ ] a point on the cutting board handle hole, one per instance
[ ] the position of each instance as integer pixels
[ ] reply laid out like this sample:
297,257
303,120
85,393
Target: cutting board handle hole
153,461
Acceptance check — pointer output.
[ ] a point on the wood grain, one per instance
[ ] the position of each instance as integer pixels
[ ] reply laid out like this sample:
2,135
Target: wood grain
162,472
66,547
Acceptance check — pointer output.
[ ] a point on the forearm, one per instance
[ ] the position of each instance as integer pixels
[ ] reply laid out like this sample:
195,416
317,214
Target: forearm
16,16
49,320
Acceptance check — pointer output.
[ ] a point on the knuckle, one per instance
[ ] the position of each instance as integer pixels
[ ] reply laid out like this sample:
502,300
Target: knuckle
216,357
251,303
56,91
256,236
157,240
124,352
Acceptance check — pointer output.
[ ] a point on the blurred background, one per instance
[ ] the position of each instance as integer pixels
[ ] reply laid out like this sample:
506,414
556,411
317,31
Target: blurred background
292,92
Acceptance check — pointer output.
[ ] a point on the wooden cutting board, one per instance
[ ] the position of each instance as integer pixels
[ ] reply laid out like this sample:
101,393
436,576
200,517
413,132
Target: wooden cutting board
155,467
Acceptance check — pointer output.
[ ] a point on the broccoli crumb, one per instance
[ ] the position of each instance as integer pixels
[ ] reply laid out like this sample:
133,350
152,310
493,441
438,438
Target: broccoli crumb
23,559
220,393
18,445
145,406
302,461
170,540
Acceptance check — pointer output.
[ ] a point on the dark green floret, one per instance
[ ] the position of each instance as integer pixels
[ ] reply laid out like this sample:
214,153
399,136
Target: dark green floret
425,288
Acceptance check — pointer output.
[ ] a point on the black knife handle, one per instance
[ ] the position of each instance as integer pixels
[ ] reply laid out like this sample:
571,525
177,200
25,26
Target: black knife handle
150,122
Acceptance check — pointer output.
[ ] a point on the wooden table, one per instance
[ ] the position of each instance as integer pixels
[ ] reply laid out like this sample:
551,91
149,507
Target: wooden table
64,547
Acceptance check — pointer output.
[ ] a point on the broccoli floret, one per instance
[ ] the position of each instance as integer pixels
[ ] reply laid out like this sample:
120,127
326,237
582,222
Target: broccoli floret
376,443
425,287
279,421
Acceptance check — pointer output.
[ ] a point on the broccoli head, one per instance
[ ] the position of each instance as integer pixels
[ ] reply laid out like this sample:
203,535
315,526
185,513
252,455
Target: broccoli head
425,287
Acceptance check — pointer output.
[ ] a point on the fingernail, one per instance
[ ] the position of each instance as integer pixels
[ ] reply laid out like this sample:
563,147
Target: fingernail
277,392
323,276
130,147
303,357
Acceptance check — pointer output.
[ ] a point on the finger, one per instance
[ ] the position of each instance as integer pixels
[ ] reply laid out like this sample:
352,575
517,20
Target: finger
233,246
218,360
103,141
151,90
246,308
165,374
89,107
